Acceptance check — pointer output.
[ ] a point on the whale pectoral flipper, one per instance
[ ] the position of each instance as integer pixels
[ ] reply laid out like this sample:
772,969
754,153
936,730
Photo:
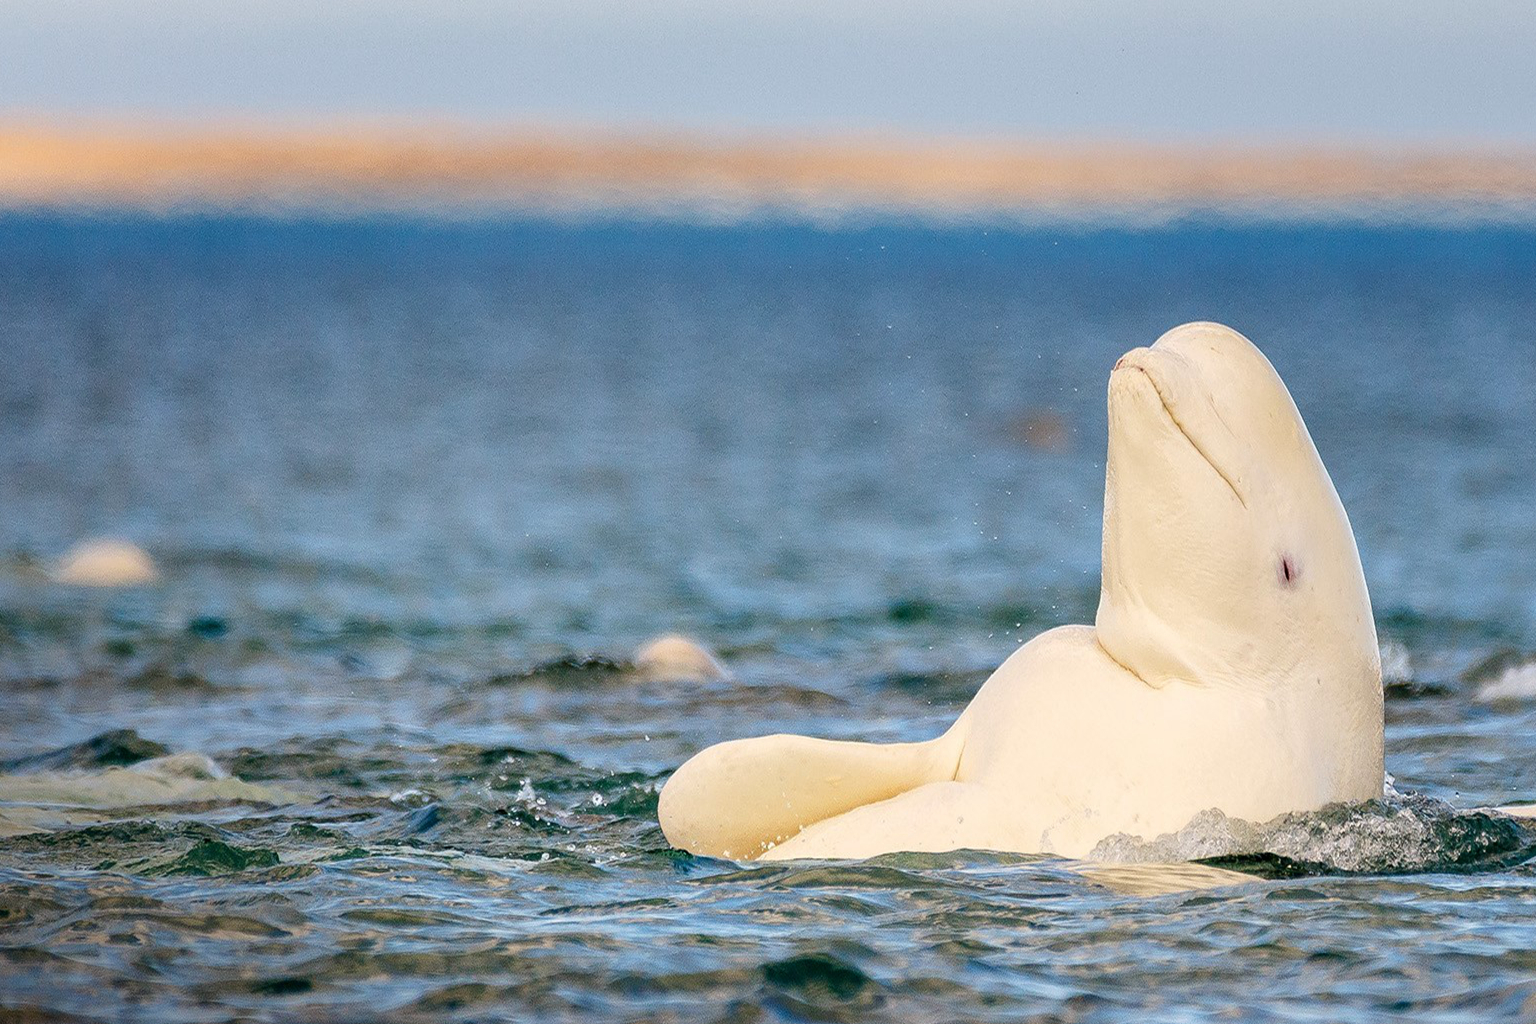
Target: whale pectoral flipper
740,798
930,819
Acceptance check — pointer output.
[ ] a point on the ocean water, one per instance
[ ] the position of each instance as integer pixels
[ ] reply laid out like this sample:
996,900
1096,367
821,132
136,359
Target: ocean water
372,749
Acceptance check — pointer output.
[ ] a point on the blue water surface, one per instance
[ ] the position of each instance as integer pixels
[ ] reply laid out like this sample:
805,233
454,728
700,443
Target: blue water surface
418,488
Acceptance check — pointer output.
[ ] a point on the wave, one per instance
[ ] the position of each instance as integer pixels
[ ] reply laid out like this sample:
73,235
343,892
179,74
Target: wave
55,791
1506,674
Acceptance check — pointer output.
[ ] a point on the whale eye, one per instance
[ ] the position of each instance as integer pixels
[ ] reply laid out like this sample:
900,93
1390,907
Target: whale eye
1289,573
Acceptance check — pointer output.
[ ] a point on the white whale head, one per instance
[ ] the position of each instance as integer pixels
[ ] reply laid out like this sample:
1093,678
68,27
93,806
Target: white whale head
1228,559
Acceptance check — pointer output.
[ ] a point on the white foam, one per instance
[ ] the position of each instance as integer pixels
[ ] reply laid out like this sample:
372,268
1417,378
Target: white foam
1401,833
1515,682
1396,665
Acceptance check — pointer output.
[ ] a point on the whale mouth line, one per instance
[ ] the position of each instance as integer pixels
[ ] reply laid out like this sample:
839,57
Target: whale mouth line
1162,398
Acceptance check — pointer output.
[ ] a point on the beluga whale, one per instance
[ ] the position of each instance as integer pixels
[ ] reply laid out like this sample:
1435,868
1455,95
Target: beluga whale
1232,663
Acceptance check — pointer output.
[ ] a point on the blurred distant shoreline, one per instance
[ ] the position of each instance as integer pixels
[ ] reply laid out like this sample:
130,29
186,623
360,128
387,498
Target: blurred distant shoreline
455,173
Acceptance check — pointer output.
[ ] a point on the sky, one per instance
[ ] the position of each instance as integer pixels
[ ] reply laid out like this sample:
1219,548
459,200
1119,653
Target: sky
1441,74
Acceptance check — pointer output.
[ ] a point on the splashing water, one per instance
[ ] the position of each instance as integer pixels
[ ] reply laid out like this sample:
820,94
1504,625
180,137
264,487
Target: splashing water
1396,835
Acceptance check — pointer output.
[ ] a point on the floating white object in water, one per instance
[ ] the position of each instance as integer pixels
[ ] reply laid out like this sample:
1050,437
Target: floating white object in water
675,658
104,562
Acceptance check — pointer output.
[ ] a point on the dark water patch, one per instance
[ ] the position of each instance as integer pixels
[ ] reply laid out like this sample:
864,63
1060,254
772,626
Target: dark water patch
119,835
144,848
926,616
453,998
23,904
24,1013
1422,630
304,831
913,609
781,697
424,820
599,786
339,763
213,857
1013,617
501,763
119,647
631,800
161,678
570,669
819,977
1267,865
208,627
401,917
282,986
25,624
539,778
1416,689
936,687
117,747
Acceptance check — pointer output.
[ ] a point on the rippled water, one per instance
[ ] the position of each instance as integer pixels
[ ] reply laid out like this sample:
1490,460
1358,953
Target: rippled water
372,748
